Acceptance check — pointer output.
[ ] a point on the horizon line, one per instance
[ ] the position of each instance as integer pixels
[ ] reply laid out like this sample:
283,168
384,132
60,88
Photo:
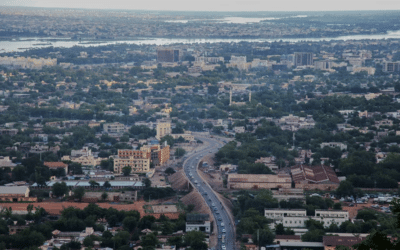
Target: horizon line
214,11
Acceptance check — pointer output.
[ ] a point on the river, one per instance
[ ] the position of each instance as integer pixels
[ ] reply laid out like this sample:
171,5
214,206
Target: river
25,43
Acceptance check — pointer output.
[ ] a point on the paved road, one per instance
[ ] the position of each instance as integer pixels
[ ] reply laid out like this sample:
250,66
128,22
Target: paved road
225,228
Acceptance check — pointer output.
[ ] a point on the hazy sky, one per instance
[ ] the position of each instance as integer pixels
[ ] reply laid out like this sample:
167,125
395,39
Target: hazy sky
214,5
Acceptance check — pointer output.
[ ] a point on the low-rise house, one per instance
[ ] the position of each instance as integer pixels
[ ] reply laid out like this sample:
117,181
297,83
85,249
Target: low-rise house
198,222
15,194
5,162
331,242
340,145
56,165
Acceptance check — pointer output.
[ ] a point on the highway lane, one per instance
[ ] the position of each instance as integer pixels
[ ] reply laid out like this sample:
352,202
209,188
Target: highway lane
225,228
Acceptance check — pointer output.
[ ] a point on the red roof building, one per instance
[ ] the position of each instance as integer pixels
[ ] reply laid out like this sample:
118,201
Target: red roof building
56,164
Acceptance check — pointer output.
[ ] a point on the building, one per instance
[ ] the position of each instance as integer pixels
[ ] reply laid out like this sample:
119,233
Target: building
331,242
111,196
27,62
84,160
198,222
303,59
138,160
159,154
168,55
259,181
186,137
85,151
5,162
323,65
15,194
114,128
56,165
391,67
239,129
163,128
11,132
340,145
296,218
314,177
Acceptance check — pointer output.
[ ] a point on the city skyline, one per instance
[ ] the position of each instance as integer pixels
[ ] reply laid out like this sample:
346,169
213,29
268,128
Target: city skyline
216,5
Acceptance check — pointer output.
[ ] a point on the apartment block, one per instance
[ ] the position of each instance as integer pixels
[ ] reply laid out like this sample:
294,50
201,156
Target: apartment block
163,128
168,55
303,59
159,154
296,218
114,128
391,67
138,160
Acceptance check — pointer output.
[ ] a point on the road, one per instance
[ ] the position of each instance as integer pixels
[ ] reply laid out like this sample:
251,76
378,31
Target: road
225,227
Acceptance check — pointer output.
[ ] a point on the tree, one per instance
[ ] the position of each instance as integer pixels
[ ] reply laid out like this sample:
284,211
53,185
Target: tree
130,223
170,171
169,139
60,189
265,236
195,239
104,196
126,170
19,173
147,182
176,241
345,189
93,183
150,240
179,152
315,235
106,184
79,192
88,241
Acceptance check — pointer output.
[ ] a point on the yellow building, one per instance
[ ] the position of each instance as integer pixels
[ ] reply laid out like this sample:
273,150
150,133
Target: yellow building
138,160
259,181
163,128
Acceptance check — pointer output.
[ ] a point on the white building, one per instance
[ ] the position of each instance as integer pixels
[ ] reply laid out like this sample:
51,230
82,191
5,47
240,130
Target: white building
340,145
296,218
198,222
85,152
114,128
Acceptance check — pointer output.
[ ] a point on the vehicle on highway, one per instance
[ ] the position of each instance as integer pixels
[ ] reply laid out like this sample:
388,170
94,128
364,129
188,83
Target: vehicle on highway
223,230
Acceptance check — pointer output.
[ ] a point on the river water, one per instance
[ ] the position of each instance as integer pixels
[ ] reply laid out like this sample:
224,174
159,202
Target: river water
25,44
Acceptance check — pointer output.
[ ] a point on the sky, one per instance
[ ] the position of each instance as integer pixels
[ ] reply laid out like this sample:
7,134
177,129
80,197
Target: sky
214,5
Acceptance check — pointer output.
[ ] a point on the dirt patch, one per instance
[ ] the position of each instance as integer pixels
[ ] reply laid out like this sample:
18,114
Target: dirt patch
55,208
160,209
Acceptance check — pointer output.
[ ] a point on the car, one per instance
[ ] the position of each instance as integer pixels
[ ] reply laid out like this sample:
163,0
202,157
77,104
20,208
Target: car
220,219
223,230
223,247
222,224
219,236
215,209
351,205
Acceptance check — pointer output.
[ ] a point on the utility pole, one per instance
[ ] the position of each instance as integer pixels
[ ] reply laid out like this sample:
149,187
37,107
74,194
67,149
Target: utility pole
258,239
